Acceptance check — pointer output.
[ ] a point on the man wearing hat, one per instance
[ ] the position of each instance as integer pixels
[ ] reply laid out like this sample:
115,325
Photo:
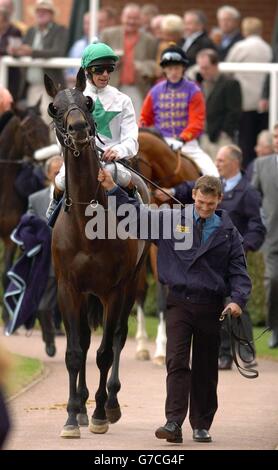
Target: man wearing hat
176,108
46,39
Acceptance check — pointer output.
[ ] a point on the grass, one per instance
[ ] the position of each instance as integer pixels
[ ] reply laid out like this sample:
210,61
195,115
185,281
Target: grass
24,371
261,344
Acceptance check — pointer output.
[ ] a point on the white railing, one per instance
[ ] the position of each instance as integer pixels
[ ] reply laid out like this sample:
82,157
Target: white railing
63,62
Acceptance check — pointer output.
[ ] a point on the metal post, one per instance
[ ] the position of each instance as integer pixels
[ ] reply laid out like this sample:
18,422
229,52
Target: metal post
273,97
3,73
94,7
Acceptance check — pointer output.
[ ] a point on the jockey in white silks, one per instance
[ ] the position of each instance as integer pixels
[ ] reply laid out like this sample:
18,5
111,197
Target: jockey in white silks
113,114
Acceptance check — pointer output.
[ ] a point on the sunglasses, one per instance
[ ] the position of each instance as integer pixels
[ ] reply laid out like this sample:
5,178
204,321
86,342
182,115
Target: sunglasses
100,69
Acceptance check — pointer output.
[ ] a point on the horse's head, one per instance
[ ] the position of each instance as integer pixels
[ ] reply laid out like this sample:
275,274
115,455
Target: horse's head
34,131
71,113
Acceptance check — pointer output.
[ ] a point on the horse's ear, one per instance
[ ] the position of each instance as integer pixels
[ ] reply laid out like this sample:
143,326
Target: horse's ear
50,87
81,80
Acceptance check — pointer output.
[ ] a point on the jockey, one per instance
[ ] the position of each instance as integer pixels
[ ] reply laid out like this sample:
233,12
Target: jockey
176,108
113,113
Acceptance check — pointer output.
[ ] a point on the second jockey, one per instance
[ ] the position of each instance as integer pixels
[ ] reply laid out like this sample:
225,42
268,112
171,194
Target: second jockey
176,108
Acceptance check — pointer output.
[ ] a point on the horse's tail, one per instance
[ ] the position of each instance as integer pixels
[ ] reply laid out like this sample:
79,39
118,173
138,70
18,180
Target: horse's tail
95,312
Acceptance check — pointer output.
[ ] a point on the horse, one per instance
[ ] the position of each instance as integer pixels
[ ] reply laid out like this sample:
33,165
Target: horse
23,134
94,275
166,168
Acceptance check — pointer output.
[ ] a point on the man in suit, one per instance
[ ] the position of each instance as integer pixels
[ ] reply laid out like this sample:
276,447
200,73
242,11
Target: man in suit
228,21
38,204
196,37
137,68
46,39
265,179
223,104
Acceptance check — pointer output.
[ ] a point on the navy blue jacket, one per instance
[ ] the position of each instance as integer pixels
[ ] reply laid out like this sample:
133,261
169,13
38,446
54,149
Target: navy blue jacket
29,275
200,274
243,205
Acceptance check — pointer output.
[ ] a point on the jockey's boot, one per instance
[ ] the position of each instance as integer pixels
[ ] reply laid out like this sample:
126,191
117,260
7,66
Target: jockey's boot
54,203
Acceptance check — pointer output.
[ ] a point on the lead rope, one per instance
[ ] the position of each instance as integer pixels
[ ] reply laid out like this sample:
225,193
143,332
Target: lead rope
238,341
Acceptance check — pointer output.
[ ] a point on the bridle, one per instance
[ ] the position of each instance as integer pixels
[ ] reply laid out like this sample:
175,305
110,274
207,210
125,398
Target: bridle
71,143
68,140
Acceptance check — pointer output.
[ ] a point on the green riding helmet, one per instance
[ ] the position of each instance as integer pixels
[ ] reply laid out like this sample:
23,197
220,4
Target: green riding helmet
98,54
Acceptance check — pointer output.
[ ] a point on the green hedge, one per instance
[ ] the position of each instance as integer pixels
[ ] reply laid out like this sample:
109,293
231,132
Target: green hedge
256,305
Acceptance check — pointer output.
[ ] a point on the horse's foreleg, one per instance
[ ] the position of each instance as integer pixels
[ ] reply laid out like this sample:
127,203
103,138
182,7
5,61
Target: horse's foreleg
113,410
99,422
160,341
142,352
70,305
161,338
83,392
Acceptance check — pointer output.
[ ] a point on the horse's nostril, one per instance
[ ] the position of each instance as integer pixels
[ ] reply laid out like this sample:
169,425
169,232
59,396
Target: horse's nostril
78,126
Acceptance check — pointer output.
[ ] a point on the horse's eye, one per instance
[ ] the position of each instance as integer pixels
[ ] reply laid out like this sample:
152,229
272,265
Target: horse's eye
90,103
52,110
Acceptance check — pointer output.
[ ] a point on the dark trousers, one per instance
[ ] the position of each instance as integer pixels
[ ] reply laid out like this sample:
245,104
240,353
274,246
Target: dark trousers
199,324
251,124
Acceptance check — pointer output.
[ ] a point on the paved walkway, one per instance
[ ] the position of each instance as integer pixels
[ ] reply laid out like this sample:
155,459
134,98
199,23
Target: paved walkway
247,417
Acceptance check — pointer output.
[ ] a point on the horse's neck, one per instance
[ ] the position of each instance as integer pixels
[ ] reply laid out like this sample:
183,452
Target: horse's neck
82,173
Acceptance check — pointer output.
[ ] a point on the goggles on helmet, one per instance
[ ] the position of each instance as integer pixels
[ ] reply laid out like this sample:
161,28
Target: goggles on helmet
100,69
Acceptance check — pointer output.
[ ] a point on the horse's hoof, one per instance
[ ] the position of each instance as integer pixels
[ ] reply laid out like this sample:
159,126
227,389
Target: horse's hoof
82,419
143,355
159,360
113,414
70,432
99,426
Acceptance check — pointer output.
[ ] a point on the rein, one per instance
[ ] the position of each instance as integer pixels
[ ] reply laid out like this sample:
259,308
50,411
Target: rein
176,171
156,186
9,162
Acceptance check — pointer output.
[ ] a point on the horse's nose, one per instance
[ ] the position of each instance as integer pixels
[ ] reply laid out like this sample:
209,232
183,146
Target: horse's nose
77,127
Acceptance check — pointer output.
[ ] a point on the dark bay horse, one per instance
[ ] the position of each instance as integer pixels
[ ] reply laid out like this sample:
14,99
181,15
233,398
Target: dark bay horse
23,134
159,163
98,273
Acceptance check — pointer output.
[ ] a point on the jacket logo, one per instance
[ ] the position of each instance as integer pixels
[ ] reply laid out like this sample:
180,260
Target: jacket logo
182,229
